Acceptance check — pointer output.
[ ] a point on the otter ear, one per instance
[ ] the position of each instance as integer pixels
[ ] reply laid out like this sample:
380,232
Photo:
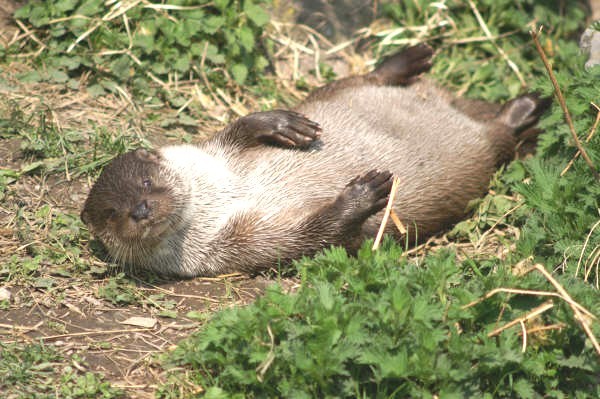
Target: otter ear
145,155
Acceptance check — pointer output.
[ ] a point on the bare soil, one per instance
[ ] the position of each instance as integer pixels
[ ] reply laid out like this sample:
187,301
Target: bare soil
94,329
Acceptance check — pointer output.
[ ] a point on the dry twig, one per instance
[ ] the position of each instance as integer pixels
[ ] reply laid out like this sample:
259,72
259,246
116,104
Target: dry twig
561,101
557,326
538,310
587,240
582,315
587,140
585,324
525,292
386,215
499,49
32,35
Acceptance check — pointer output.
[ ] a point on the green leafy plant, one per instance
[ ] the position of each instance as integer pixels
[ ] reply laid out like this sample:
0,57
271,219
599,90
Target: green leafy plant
372,326
146,45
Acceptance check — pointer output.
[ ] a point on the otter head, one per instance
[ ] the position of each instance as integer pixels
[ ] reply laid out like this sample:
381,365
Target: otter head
132,206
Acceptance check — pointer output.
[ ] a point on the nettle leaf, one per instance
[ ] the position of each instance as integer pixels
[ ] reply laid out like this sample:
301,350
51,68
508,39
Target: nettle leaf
246,38
44,283
57,31
65,5
186,120
24,12
70,62
31,77
260,63
167,28
192,26
213,55
256,13
57,75
31,167
234,49
395,366
78,25
198,14
222,5
212,24
575,362
38,16
90,8
240,73
181,34
196,49
183,63
159,68
96,90
8,176
524,388
326,296
144,36
120,67
401,300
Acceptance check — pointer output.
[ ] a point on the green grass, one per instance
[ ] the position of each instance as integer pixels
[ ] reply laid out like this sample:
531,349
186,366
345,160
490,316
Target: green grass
49,149
39,371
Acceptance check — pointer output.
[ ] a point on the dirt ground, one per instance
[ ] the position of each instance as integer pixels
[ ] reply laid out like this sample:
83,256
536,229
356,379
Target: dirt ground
100,333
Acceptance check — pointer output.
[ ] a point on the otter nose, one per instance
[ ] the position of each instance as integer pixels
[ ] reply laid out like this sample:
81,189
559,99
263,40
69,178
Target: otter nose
140,211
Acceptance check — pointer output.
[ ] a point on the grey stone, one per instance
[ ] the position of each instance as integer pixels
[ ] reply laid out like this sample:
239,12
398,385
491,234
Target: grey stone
590,44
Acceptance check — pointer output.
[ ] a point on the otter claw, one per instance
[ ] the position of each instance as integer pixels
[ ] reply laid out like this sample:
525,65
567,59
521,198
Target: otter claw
289,129
367,194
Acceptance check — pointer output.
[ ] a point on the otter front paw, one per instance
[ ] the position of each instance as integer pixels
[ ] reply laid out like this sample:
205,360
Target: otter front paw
366,195
284,128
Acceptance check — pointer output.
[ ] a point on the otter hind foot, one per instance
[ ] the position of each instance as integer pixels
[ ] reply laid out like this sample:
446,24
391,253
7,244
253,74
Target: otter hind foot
521,113
402,68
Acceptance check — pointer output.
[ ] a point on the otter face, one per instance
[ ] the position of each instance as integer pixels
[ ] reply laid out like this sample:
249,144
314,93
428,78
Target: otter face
131,207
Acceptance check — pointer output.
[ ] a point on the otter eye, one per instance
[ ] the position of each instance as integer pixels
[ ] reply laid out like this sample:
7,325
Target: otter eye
147,183
111,213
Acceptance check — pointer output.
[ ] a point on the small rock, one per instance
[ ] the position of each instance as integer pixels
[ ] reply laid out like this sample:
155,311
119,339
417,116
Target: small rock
4,294
590,44
148,322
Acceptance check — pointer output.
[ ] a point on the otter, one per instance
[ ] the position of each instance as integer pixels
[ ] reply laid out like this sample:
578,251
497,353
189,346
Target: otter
274,186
